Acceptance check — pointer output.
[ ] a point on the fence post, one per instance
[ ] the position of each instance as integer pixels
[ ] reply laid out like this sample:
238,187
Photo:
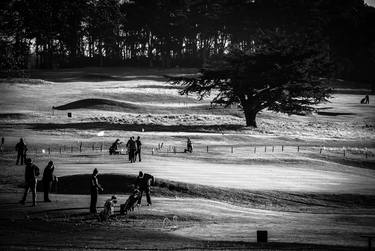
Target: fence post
320,151
60,149
49,150
93,146
273,148
80,147
282,148
344,153
231,149
265,148
71,148
207,148
298,149
255,149
101,147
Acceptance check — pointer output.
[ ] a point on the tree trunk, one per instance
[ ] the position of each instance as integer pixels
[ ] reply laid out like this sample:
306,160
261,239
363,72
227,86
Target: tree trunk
250,116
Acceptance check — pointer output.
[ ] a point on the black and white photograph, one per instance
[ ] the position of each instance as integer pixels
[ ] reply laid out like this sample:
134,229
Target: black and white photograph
187,125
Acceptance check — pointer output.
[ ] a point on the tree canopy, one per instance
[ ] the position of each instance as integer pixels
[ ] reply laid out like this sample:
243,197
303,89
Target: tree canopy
166,33
283,73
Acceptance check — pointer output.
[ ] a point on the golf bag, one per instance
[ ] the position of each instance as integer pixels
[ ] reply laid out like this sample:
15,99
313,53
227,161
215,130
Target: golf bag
130,203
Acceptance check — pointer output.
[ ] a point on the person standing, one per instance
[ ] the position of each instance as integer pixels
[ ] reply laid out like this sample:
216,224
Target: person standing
139,148
94,188
31,174
47,180
144,182
131,149
2,144
21,149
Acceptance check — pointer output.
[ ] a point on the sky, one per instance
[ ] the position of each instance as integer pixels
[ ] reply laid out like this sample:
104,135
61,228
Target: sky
370,2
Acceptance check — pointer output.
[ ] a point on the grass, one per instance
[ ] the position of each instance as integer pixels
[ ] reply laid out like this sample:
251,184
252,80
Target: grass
271,200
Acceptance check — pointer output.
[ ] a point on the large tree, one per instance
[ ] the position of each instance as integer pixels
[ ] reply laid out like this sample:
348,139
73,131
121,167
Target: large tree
283,73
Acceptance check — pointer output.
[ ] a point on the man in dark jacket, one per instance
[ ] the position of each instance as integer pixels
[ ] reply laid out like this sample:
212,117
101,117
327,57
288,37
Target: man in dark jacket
94,187
21,150
131,149
144,182
31,174
47,180
139,148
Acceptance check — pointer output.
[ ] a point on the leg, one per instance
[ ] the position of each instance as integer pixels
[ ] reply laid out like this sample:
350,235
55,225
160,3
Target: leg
22,158
94,199
140,197
148,196
46,189
33,191
25,193
139,155
18,158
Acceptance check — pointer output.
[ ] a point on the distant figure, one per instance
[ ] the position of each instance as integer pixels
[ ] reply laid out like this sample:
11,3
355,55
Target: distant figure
113,150
144,182
131,149
139,148
2,144
47,180
31,174
189,146
365,100
130,202
109,209
94,187
21,149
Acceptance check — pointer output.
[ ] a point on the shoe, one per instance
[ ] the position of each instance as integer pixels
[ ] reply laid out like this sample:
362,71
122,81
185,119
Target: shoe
22,202
149,204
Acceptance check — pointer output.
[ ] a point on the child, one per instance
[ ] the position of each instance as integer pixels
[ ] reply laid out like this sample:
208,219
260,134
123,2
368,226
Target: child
109,209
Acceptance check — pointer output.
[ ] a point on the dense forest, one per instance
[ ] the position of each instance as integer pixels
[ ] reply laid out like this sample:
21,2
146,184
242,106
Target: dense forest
184,33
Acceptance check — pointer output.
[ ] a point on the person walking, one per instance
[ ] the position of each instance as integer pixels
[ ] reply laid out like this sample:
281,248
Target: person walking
47,180
144,182
139,148
21,150
94,188
31,174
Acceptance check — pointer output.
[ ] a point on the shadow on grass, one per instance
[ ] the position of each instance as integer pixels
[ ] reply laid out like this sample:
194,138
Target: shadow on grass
136,127
273,200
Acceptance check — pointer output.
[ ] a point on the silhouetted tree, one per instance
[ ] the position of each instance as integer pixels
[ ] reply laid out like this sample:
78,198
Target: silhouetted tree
281,72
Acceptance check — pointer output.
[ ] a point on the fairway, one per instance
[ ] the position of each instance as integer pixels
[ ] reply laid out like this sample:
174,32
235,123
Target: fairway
305,179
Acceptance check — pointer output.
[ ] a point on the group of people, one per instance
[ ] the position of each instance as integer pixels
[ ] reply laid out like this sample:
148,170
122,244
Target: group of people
31,180
133,146
142,185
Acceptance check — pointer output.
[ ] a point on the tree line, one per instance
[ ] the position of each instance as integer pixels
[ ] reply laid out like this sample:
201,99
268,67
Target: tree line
185,33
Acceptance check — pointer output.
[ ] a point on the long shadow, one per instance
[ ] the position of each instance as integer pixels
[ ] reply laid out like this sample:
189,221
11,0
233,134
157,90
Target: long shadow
134,127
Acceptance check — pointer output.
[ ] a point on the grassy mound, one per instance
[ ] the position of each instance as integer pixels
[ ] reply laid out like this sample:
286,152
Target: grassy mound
99,104
285,201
